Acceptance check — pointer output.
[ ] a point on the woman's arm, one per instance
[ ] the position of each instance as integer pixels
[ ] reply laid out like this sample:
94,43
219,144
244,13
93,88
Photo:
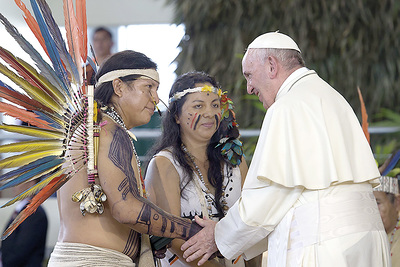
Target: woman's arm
163,185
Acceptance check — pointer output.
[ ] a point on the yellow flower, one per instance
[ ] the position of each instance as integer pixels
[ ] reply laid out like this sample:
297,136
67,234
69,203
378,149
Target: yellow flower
207,88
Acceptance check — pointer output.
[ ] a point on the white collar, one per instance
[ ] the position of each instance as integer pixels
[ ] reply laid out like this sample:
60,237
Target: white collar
285,85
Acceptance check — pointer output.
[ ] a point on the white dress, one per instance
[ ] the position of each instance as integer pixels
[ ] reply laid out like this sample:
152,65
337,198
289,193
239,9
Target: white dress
193,201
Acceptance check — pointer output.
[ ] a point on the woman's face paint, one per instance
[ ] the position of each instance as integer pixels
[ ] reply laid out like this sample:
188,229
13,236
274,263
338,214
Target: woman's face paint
200,116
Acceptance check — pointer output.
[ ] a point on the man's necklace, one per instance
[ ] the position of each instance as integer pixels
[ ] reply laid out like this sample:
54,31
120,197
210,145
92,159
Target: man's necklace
210,198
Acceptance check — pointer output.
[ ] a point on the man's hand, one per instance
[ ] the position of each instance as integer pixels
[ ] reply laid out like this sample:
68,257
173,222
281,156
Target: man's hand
202,244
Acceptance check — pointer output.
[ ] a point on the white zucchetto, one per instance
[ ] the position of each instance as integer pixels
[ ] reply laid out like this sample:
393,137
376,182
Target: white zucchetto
274,40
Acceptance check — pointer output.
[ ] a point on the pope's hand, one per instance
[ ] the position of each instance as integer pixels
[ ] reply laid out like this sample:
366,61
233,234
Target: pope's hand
202,244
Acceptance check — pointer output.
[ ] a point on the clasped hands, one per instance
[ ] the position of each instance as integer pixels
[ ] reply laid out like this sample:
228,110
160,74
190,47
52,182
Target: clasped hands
201,244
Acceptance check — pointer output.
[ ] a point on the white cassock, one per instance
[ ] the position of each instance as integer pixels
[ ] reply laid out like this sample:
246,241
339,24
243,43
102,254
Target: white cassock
309,186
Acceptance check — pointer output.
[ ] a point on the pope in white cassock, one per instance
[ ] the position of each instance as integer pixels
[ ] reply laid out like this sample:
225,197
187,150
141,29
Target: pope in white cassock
308,195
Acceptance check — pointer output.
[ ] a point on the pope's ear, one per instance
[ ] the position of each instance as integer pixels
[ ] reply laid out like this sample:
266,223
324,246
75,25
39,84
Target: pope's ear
118,88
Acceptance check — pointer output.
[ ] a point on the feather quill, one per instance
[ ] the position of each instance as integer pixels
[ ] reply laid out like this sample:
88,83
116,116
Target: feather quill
34,173
58,39
46,179
51,47
28,157
32,131
82,23
32,24
26,167
72,29
29,145
22,100
45,68
364,116
24,115
36,201
392,163
31,75
33,91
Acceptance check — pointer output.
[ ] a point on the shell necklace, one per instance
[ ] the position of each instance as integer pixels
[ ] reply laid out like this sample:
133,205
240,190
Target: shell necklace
209,197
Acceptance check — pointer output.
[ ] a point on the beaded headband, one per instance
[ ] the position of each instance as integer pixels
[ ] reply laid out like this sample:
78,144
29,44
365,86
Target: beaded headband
109,76
388,185
205,88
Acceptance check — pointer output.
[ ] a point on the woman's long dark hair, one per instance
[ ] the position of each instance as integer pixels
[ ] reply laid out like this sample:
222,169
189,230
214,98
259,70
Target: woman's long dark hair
171,136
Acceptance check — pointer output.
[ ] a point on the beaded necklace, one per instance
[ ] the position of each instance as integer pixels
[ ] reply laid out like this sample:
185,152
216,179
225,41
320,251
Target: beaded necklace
393,232
110,111
210,198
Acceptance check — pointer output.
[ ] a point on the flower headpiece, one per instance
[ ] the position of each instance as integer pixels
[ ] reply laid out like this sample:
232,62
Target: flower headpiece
205,88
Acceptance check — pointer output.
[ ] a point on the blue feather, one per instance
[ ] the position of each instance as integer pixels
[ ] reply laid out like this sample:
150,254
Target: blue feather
48,119
46,70
392,163
31,173
59,41
50,45
6,86
92,64
27,167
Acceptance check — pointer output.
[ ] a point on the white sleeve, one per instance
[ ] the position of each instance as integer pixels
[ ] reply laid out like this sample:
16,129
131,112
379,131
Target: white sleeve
250,220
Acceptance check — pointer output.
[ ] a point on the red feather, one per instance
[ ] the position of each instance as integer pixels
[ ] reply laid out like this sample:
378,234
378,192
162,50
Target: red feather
24,115
82,23
36,201
24,72
32,23
364,116
73,33
22,100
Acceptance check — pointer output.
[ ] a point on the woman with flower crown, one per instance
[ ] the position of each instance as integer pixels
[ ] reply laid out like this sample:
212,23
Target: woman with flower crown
198,166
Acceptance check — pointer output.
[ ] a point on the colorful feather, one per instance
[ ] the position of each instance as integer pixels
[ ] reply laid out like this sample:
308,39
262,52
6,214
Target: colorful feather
24,115
73,34
45,69
364,116
32,131
45,180
36,201
32,24
392,163
31,75
29,145
28,157
26,167
58,40
50,45
22,100
82,24
34,173
33,91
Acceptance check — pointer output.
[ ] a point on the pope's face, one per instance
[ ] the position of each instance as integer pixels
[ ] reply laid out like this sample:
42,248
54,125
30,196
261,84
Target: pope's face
256,73
387,209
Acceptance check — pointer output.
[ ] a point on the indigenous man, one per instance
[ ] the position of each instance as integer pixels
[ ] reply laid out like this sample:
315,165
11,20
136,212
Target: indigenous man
126,90
308,191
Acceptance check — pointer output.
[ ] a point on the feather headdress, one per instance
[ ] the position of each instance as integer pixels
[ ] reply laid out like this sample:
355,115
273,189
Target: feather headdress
56,105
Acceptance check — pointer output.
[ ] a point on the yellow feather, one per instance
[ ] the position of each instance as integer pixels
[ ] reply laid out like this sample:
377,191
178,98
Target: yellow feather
32,131
59,96
30,145
27,157
34,189
32,91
